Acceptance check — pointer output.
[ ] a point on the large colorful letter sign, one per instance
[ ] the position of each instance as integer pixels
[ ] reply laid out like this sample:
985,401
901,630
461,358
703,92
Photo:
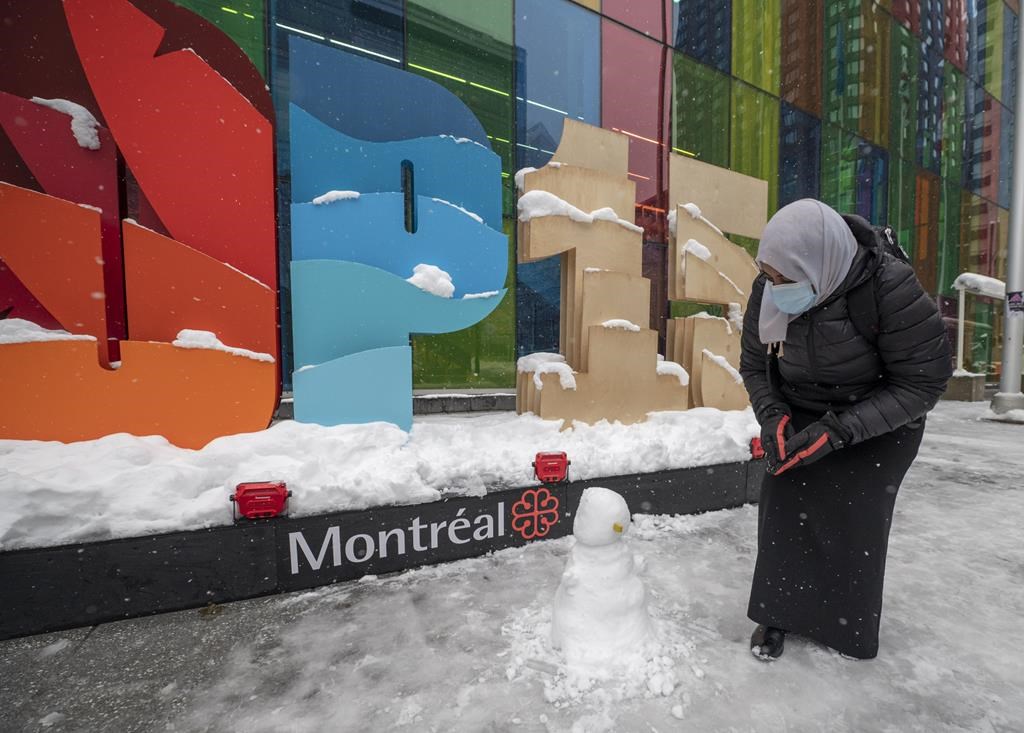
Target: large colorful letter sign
166,322
396,230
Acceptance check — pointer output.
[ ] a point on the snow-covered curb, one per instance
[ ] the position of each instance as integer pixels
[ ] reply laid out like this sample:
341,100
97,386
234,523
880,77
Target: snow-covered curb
122,485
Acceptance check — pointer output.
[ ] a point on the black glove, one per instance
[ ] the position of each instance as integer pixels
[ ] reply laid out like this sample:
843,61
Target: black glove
776,432
812,444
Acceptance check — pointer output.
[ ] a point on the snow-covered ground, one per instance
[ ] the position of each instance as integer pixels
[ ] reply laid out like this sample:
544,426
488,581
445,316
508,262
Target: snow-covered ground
122,485
463,647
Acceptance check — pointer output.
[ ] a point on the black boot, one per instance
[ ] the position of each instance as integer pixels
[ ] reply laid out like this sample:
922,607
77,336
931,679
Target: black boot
767,642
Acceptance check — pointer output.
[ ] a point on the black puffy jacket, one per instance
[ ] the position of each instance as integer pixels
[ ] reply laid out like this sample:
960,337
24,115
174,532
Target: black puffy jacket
827,365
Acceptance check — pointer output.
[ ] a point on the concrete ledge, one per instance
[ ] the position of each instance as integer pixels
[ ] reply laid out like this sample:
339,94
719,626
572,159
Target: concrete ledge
55,588
966,388
440,403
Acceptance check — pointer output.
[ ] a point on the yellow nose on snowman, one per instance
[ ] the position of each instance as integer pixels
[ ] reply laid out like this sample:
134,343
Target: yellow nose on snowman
617,527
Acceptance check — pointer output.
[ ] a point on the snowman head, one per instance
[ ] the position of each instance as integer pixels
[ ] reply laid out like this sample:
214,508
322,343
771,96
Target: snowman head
602,517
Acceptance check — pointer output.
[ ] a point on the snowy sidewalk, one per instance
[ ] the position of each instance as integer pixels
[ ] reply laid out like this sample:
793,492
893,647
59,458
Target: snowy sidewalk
448,648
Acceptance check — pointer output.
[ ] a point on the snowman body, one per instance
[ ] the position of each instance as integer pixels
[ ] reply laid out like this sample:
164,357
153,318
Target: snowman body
600,608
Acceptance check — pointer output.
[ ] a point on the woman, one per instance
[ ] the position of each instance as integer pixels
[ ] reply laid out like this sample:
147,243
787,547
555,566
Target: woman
841,409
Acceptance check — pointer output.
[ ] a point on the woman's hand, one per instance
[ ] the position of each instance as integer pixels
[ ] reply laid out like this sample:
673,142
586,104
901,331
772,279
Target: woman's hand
812,444
776,432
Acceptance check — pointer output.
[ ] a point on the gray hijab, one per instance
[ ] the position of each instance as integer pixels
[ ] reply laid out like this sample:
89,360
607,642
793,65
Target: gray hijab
805,240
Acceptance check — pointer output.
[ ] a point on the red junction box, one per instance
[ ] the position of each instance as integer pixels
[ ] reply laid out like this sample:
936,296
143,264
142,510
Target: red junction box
260,499
551,468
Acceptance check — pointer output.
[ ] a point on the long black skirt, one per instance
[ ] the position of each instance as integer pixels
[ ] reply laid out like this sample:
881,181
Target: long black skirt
823,533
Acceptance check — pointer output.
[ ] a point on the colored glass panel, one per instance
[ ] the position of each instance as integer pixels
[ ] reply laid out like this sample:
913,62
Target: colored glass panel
854,175
466,47
802,28
949,237
995,14
633,101
904,69
754,137
651,17
977,39
857,36
930,81
980,223
908,13
902,199
703,30
1006,138
242,20
932,26
928,193
799,156
377,34
954,114
1010,39
755,48
955,33
558,75
700,111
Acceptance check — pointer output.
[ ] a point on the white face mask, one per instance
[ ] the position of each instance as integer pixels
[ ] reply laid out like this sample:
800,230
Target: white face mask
793,298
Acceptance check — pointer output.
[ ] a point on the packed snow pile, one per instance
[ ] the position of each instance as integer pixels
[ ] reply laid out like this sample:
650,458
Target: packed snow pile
674,369
192,339
83,123
566,376
538,204
433,280
331,196
20,331
530,362
599,618
622,324
981,285
122,485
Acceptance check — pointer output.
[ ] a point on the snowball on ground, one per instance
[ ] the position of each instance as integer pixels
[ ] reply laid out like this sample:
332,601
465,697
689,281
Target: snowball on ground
20,331
433,280
530,362
537,204
83,123
622,324
566,377
331,196
480,296
476,217
671,368
722,362
193,339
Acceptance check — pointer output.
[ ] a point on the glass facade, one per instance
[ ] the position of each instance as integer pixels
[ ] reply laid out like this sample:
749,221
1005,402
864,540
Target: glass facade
901,111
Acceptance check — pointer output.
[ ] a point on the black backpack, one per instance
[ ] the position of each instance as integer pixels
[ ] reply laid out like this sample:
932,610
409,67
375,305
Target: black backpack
862,301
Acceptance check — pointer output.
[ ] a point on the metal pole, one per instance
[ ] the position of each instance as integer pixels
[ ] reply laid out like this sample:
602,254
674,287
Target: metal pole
1010,396
962,310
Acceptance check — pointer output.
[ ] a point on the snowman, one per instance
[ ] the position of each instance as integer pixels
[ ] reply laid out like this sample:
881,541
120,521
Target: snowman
600,609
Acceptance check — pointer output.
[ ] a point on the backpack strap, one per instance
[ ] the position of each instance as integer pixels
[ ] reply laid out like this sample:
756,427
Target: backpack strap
862,305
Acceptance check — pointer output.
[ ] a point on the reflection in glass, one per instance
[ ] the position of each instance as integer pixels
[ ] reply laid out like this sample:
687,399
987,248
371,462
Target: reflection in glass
558,75
467,48
754,137
799,156
755,48
854,175
802,33
344,24
651,17
700,111
930,82
703,30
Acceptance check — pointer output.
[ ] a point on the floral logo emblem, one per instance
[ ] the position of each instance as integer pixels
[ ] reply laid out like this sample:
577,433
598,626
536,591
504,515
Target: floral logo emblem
535,513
